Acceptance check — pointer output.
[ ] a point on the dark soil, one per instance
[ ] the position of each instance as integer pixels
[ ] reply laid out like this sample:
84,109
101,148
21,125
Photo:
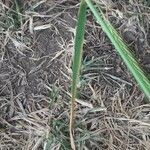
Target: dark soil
28,76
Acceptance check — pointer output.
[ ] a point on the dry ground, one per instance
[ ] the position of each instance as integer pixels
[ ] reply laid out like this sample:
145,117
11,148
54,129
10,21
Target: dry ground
36,46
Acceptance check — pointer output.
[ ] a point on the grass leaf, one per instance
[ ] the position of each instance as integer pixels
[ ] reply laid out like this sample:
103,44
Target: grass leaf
78,48
122,49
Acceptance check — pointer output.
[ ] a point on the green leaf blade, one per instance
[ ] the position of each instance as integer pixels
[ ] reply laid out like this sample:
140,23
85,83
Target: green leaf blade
77,58
122,49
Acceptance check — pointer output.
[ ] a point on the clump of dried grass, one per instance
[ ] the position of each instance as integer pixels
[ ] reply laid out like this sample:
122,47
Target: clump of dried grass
110,112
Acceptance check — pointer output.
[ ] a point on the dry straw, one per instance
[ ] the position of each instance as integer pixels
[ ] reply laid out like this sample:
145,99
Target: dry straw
119,45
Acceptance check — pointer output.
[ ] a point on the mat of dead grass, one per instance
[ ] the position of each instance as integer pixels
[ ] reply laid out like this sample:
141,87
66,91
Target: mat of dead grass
35,71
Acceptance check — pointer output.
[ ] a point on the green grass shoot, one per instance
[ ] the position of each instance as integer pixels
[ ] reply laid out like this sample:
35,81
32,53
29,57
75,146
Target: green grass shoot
77,58
122,49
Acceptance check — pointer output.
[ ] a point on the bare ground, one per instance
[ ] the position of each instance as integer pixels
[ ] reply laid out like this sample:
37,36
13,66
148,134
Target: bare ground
35,78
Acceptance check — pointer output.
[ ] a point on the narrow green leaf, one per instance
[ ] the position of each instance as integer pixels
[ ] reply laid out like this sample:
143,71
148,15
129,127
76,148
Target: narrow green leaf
78,49
122,49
